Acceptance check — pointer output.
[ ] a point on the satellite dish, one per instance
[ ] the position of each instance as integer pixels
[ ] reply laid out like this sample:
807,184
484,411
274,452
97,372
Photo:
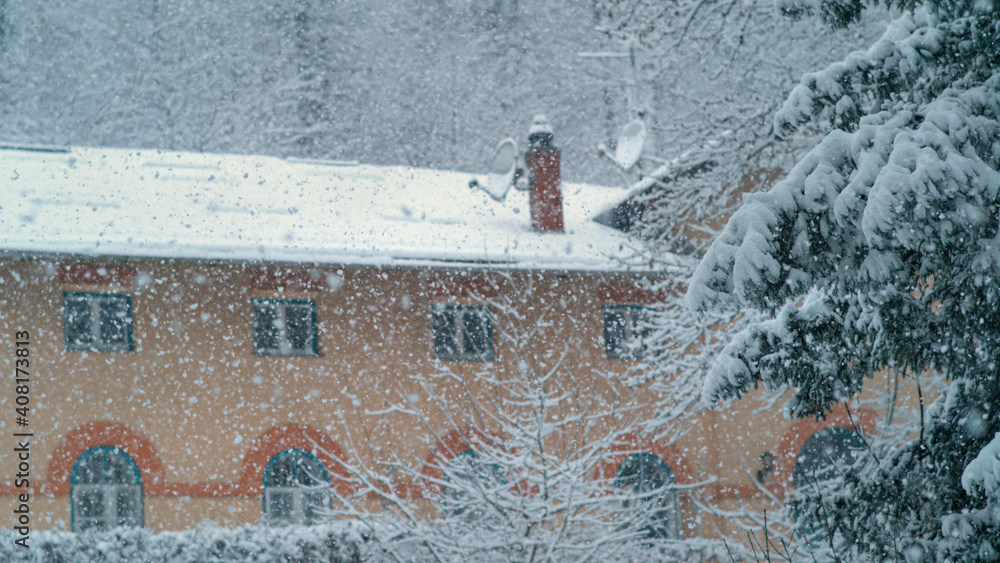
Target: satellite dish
628,149
500,175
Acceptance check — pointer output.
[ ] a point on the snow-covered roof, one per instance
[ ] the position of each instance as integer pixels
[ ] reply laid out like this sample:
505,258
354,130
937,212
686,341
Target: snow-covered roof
161,204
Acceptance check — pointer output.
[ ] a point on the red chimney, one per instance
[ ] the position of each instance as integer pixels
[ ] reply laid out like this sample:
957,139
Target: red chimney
542,160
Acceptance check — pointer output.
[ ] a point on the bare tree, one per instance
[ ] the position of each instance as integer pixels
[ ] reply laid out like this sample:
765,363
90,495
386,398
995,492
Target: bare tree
536,462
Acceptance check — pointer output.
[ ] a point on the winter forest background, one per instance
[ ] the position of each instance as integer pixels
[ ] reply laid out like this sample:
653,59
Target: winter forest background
431,84
878,252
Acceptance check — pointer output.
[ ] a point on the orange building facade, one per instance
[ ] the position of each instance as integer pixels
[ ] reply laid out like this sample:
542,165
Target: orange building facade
184,364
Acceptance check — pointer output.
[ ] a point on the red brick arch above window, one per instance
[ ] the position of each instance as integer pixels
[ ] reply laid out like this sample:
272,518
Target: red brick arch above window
634,443
94,434
796,436
452,444
292,436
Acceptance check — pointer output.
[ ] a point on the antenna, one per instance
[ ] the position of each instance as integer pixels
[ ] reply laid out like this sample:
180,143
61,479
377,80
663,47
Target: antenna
501,171
628,148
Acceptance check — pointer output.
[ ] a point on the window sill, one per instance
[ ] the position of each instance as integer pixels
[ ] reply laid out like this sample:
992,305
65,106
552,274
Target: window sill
101,350
477,359
280,354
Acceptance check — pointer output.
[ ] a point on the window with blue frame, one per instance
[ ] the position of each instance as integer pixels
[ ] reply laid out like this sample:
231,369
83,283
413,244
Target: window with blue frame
296,489
284,327
106,490
647,483
97,322
824,456
462,333
626,329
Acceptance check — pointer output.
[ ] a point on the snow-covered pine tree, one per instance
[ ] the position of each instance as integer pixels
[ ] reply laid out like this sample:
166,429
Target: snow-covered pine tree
709,78
881,251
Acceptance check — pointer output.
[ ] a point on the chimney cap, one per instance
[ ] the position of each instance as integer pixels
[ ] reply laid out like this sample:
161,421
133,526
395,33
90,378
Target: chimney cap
540,124
540,132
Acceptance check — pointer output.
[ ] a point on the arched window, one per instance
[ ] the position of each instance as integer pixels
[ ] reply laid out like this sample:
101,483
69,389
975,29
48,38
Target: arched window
825,454
650,483
296,488
468,483
823,457
106,490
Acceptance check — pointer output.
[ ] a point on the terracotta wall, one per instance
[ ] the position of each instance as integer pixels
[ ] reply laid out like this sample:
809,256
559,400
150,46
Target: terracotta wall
201,414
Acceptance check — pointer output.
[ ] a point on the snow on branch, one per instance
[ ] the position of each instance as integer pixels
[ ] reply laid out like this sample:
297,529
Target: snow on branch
527,458
878,254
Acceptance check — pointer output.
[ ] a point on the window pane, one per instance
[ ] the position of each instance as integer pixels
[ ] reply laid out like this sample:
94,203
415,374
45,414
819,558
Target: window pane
614,333
105,466
310,472
119,469
466,470
641,331
476,334
280,505
286,496
106,490
281,472
114,321
265,326
825,454
78,325
89,470
444,333
646,476
299,326
293,468
664,521
314,505
91,524
129,506
90,503
625,330
643,473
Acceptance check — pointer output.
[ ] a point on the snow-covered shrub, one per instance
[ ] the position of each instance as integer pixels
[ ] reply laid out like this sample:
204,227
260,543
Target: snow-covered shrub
339,542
